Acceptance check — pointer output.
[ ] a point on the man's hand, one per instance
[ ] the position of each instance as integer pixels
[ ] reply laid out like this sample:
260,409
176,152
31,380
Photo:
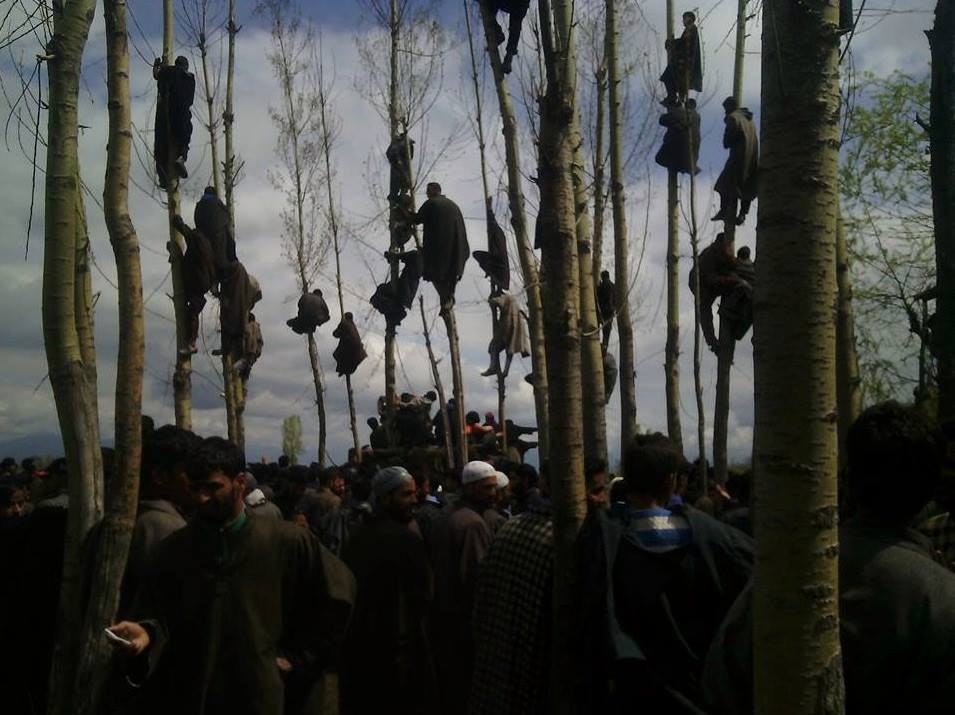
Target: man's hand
137,636
283,664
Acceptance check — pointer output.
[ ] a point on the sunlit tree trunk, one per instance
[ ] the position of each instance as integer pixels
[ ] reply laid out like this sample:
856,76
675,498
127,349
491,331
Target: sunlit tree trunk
942,147
796,609
438,386
111,542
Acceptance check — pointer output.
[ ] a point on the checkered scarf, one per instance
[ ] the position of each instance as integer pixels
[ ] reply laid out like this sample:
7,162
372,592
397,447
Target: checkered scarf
511,618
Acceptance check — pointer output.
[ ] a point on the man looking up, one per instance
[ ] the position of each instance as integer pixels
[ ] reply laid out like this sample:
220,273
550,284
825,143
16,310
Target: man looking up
227,598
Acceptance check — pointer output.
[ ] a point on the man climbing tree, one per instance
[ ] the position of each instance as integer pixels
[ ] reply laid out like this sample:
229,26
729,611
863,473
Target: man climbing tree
736,184
516,10
176,92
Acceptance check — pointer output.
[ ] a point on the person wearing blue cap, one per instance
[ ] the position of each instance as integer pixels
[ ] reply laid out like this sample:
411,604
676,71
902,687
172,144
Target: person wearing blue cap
386,644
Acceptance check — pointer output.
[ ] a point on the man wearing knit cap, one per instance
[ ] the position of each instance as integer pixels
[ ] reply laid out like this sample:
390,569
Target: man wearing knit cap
386,662
460,539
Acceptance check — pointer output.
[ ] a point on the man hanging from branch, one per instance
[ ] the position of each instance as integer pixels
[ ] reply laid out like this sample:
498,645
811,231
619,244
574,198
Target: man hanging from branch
681,142
239,292
198,275
494,261
606,306
738,180
510,335
393,300
312,312
173,128
350,351
212,218
718,277
445,247
517,10
684,70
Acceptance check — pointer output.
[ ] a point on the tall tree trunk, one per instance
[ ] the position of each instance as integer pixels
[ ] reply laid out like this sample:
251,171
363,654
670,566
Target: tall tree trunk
591,354
562,326
727,347
671,364
796,617
525,250
111,542
697,342
438,386
628,391
457,377
182,377
208,93
393,124
600,167
942,147
67,335
234,385
336,245
848,383
319,397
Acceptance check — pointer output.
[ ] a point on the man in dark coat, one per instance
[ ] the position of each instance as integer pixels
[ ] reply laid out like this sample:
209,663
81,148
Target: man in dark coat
494,261
164,499
517,10
445,247
173,128
606,305
666,576
198,277
399,155
350,351
459,541
212,218
239,293
738,180
896,605
386,660
393,300
229,600
312,312
717,278
736,306
684,70
675,152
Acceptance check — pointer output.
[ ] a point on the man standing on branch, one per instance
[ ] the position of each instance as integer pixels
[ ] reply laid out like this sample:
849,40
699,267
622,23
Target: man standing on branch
229,605
445,246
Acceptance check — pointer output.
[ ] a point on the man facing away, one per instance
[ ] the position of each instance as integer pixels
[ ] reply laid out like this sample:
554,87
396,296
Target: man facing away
386,662
228,599
459,541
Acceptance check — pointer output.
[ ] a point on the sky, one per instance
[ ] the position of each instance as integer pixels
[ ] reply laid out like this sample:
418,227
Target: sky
889,37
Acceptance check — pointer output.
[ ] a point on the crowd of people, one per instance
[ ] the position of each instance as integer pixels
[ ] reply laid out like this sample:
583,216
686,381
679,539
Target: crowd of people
388,583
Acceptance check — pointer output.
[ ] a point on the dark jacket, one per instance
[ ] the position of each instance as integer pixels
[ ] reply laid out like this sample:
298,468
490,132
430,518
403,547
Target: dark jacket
445,247
739,176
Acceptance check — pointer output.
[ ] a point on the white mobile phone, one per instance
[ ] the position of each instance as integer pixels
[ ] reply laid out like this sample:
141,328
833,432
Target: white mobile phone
115,638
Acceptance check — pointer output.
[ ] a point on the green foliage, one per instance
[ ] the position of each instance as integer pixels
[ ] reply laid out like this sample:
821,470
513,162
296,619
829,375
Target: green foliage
292,438
887,212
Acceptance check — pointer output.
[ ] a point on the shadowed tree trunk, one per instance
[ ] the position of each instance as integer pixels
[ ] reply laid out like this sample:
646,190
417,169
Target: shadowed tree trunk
438,386
942,147
524,248
796,618
600,166
848,383
671,365
627,379
562,327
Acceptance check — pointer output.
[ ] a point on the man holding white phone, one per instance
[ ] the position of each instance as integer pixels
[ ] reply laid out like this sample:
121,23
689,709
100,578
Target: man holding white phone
227,599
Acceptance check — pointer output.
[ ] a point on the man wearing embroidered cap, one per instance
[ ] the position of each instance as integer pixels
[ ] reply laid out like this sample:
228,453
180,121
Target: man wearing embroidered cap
386,643
460,539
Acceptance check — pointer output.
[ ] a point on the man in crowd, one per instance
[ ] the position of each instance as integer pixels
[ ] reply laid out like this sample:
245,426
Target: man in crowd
386,664
459,542
228,598
896,606
165,498
670,574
